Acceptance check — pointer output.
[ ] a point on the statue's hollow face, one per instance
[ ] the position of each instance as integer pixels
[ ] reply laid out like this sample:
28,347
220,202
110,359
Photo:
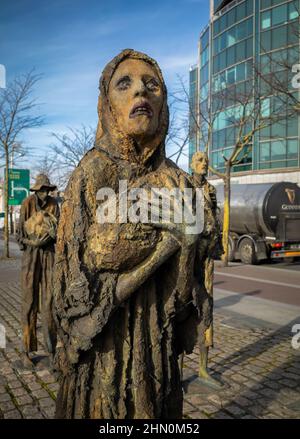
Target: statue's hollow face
136,96
43,193
200,164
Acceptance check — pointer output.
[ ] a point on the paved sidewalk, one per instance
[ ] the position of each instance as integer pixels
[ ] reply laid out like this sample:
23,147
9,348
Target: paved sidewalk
253,358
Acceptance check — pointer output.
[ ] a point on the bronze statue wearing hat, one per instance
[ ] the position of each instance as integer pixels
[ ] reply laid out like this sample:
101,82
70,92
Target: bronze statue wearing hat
36,235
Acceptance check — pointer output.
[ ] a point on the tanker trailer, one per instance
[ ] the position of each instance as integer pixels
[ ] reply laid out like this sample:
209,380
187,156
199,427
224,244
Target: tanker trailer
264,221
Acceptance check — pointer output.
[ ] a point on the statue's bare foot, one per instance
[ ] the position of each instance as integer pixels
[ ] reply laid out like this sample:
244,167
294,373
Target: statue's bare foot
27,362
206,379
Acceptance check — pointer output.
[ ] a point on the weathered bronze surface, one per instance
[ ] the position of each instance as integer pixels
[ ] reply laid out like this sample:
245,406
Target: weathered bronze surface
127,296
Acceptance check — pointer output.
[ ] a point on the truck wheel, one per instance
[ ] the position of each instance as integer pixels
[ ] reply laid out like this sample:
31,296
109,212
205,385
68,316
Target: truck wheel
247,252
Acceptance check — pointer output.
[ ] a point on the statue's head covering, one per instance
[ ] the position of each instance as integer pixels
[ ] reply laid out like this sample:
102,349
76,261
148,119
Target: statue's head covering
109,137
42,181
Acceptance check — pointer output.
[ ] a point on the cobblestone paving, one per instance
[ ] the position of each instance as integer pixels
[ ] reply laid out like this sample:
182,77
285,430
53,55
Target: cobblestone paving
258,367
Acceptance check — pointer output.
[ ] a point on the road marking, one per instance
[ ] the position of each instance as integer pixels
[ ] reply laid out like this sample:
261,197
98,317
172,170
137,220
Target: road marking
265,281
266,267
296,270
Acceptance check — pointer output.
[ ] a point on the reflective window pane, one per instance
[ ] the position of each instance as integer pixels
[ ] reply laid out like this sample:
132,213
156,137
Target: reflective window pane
292,126
232,37
279,15
266,20
231,55
231,76
265,41
279,37
240,72
292,149
265,4
293,10
265,151
278,150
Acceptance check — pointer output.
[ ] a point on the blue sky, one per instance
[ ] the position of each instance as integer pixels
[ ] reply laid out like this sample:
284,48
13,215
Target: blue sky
70,41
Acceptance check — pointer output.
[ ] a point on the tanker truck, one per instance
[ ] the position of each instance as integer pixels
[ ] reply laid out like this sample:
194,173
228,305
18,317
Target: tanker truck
264,221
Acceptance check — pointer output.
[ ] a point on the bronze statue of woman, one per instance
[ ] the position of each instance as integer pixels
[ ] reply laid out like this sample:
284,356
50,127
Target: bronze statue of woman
126,299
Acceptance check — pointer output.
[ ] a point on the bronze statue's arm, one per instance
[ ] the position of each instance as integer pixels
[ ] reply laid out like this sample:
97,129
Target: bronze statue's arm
132,280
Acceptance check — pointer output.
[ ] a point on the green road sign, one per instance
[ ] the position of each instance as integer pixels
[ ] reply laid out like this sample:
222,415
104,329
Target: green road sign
18,185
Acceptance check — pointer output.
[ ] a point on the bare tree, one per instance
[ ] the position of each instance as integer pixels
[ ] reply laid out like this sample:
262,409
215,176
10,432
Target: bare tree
69,149
17,152
47,164
178,134
17,108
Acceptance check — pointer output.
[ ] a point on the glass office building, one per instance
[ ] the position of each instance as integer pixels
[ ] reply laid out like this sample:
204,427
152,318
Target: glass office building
240,35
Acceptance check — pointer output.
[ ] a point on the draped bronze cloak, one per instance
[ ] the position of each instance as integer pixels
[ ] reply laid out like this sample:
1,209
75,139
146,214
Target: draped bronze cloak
37,266
120,361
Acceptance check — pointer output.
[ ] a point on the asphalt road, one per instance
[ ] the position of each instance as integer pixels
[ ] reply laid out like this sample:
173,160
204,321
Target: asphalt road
295,266
278,281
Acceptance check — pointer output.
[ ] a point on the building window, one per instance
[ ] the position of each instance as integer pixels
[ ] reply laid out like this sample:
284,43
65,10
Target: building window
204,92
293,33
292,149
231,55
241,11
265,108
279,15
216,27
223,22
265,41
278,150
265,4
204,75
279,37
205,39
265,152
278,129
231,36
204,56
293,10
231,17
292,126
231,76
266,20
223,61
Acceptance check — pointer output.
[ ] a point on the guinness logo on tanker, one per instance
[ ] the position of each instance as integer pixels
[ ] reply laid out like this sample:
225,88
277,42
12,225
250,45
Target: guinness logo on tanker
291,195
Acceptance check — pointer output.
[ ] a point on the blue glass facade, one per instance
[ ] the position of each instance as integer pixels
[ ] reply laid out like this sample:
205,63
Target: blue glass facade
240,35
